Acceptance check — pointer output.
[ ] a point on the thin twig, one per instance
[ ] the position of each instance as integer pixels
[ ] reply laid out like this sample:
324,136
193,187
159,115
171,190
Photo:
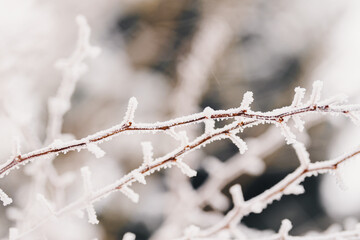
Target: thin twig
276,116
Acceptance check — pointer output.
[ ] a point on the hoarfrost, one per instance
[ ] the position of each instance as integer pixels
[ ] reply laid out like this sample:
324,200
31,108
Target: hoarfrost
286,132
247,100
298,97
209,122
316,92
302,154
241,144
139,177
96,150
91,214
130,112
128,192
147,152
185,169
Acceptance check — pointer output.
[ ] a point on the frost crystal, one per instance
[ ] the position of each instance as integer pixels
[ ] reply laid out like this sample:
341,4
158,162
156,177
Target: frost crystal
286,132
139,177
237,195
185,169
133,196
129,236
316,92
147,152
5,198
209,122
96,150
299,95
247,100
302,154
241,144
130,112
91,214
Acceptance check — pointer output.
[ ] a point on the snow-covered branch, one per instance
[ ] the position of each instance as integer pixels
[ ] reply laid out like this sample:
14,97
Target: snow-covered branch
289,185
251,118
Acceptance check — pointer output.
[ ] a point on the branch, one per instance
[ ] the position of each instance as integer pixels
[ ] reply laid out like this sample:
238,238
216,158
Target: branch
275,116
260,202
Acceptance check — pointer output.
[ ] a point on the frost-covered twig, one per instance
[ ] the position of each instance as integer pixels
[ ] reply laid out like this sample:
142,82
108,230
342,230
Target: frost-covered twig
284,187
277,116
73,68
243,117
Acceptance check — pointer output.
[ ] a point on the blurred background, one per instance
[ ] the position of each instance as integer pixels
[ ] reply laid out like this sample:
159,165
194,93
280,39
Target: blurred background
177,57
